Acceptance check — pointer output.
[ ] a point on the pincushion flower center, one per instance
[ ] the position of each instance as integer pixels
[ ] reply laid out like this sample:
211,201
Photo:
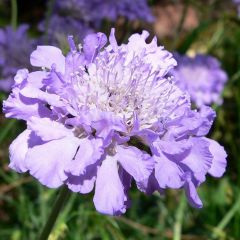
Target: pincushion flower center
127,89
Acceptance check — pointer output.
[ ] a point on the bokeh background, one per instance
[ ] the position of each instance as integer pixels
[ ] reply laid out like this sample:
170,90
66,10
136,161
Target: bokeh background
188,27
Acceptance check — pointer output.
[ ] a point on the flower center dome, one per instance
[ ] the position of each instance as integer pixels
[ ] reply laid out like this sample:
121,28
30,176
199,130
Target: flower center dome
128,87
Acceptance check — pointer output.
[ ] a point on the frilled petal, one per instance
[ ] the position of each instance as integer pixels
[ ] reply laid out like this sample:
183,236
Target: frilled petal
46,56
18,150
48,129
35,93
196,123
168,173
175,149
47,162
21,107
199,159
138,164
83,183
90,150
109,195
219,161
207,115
192,194
21,75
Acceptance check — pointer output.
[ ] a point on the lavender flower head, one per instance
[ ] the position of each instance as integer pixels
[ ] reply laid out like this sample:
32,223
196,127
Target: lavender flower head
202,77
97,10
15,47
107,115
79,17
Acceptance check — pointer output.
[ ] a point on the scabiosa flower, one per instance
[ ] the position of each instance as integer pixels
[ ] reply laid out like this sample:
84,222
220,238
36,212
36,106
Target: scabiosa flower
15,47
78,18
97,10
104,116
202,77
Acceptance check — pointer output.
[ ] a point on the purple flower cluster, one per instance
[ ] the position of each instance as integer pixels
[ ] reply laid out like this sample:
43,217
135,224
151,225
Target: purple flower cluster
15,47
106,115
202,77
80,16
97,10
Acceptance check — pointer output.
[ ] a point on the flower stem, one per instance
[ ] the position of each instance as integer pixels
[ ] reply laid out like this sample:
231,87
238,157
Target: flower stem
14,14
63,196
179,218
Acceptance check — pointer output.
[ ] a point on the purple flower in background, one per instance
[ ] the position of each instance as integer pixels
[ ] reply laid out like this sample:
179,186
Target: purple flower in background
97,10
15,47
104,116
78,17
202,77
59,27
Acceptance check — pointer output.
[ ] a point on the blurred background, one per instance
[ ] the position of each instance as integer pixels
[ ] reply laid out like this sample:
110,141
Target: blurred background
188,27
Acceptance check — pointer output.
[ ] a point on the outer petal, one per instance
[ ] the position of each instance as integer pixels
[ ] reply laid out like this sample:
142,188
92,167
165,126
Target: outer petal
83,183
47,162
126,180
153,185
90,150
196,123
82,171
21,107
219,162
35,93
18,150
48,129
192,195
21,75
136,163
168,173
199,159
109,195
46,56
173,148
207,115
